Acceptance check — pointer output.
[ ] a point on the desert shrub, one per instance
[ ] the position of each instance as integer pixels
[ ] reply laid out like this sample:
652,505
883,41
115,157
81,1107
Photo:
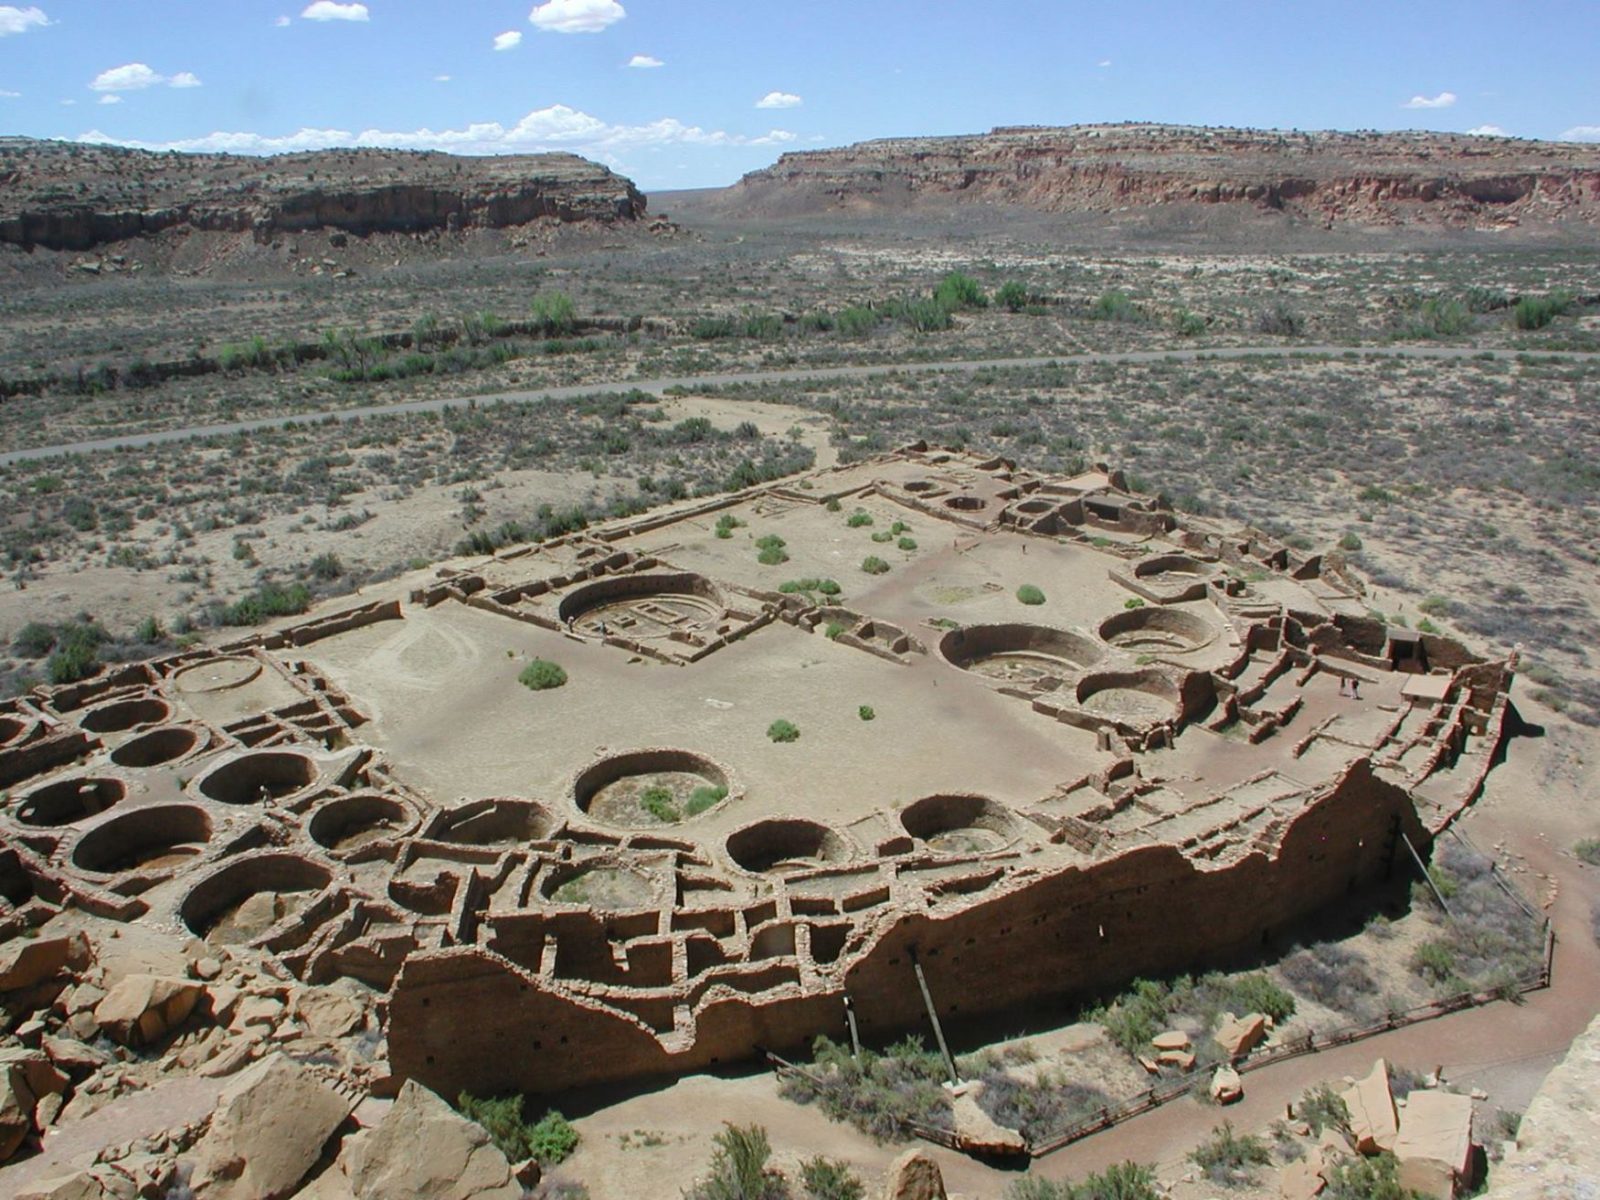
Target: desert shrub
739,1168
783,731
1113,306
712,328
1322,1108
541,675
77,652
906,544
1229,1159
873,565
1121,1181
1012,296
763,326
1256,993
553,314
770,550
1279,320
858,519
267,601
1039,1109
703,798
828,1179
957,291
1334,976
149,631
1588,850
1029,594
326,566
866,713
883,1095
1435,961
1136,1016
926,316
660,803
833,630
550,1140
1491,941
1361,1178
1188,324
1535,312
1349,542
34,640
883,536
856,321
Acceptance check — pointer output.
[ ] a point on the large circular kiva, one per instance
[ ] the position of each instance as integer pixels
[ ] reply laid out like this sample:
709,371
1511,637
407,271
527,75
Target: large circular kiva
351,822
259,776
243,899
650,789
1129,697
960,823
1155,629
787,846
216,675
602,886
499,823
69,800
156,746
1018,653
126,714
644,607
145,839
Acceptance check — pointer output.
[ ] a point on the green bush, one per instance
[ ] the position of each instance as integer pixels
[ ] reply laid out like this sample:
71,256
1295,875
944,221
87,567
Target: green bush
1229,1159
550,1140
1589,851
1361,1178
883,1095
1279,320
1029,594
1188,324
554,314
34,640
1012,296
1535,312
542,675
958,291
906,544
739,1168
873,565
326,566
268,601
1113,306
856,321
1322,1108
1256,993
783,731
660,803
826,1179
1435,961
703,798
833,630
927,316
866,713
1121,1181
858,519
772,556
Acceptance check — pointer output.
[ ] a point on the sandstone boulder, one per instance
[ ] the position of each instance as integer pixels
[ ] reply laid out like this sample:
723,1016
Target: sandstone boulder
1172,1039
1302,1180
25,1076
328,1014
978,1132
143,1008
424,1150
80,1185
270,1126
1226,1086
1374,1120
914,1176
1237,1036
25,962
1434,1145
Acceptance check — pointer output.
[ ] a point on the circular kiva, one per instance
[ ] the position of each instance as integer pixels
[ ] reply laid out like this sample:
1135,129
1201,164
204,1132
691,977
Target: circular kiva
350,822
243,899
125,714
1018,653
919,487
1170,564
157,746
1156,629
216,675
966,503
644,607
960,824
258,777
501,823
786,846
1129,697
69,800
145,839
1034,508
648,789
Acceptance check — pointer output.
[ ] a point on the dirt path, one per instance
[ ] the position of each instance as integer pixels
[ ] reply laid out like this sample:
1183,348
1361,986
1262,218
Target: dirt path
659,386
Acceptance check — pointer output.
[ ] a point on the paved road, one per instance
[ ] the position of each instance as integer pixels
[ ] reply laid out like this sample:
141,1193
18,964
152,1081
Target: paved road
658,386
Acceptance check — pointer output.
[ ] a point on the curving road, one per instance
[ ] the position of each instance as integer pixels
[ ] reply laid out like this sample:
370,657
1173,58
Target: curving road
658,386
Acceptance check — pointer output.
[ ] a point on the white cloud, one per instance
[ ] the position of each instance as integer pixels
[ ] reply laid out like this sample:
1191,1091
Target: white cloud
134,77
1103,63
327,10
1487,131
5,95
111,98
284,22
20,20
1442,100
555,128
509,40
441,78
644,62
779,100
576,16
130,77
1582,133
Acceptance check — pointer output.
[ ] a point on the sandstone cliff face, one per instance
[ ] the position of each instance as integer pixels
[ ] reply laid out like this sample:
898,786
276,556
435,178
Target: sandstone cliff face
69,197
1366,178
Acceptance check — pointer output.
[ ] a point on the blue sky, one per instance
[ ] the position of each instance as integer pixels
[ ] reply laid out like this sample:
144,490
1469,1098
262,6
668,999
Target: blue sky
692,93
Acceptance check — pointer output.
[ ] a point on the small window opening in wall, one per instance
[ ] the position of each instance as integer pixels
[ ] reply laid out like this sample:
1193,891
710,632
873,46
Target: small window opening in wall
563,1039
538,1045
426,1003
430,1060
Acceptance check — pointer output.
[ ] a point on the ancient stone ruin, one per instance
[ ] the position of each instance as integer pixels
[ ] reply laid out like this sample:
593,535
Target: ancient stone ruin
1158,764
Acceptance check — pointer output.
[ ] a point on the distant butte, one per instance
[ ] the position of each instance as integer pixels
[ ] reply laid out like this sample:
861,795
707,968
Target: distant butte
1443,180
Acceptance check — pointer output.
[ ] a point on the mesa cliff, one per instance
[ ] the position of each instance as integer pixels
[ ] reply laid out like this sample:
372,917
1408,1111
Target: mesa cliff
1375,179
63,196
